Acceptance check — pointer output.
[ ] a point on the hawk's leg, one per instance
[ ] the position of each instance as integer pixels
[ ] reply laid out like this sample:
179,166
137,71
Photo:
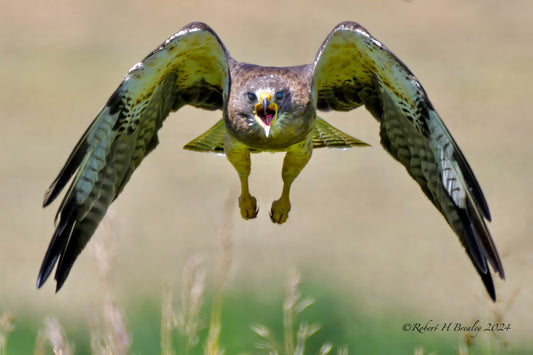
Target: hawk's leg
239,156
295,160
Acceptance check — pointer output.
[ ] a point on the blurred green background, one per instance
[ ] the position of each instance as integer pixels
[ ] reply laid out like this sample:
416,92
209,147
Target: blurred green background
372,250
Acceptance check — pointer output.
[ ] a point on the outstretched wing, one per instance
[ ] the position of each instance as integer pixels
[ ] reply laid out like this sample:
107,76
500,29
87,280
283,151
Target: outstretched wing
352,69
191,67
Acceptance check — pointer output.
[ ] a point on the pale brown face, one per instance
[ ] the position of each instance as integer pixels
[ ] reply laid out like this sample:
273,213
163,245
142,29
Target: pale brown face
266,111
269,101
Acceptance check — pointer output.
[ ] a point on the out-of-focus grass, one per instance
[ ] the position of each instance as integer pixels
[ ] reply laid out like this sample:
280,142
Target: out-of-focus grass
54,335
6,327
212,321
341,323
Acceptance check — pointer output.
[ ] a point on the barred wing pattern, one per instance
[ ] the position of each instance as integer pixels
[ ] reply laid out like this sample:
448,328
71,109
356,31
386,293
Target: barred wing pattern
191,67
352,69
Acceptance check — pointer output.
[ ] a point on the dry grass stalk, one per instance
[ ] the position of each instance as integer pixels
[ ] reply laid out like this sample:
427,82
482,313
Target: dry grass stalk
168,320
292,306
325,349
293,342
291,297
113,336
6,327
118,339
188,321
304,332
221,272
269,342
55,336
342,351
498,339
463,350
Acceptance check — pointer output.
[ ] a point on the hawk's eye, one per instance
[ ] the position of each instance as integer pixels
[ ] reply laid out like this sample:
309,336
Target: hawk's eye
252,97
279,95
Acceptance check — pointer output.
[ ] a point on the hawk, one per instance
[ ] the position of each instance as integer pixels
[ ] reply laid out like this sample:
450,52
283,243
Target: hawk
266,109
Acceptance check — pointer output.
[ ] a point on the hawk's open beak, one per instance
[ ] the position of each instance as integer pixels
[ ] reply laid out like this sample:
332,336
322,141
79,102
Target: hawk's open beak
265,112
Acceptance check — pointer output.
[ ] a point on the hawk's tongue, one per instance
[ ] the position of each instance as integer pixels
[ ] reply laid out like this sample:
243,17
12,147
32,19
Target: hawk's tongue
266,113
268,119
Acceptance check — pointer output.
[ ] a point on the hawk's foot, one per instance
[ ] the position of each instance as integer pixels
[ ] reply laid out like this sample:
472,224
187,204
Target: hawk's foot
248,206
280,210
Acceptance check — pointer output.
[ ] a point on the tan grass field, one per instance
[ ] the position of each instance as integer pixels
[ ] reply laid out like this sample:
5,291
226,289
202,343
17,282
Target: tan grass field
358,221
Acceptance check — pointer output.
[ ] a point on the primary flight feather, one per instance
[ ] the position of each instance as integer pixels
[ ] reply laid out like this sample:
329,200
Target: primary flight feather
267,109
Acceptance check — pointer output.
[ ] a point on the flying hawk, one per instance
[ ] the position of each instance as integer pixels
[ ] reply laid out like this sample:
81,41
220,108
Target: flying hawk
267,109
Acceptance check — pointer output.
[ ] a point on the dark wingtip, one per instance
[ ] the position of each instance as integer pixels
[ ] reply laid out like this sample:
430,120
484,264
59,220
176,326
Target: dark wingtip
41,279
44,273
46,270
48,264
58,243
501,273
46,199
489,285
60,283
63,270
486,213
52,192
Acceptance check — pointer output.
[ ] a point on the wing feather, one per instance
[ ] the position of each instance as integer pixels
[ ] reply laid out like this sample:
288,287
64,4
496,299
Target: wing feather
189,68
352,69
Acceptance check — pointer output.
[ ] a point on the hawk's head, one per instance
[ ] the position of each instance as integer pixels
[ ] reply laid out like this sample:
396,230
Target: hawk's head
271,109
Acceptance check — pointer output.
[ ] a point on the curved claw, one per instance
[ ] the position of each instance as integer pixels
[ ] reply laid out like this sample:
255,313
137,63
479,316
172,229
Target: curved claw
280,211
248,206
